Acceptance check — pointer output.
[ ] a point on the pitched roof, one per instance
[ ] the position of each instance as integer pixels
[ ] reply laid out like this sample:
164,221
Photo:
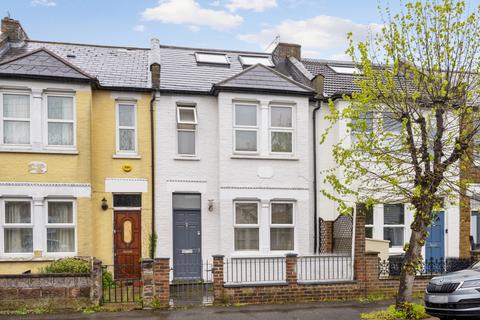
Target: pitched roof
112,66
42,63
260,77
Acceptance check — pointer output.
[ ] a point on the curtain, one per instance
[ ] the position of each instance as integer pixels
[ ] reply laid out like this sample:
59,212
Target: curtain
281,117
245,140
245,115
60,133
281,239
60,239
60,212
60,108
16,131
282,213
281,141
246,239
18,240
17,212
127,139
126,115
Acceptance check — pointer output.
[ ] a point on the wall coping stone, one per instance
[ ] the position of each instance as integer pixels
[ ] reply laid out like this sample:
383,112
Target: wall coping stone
248,285
43,275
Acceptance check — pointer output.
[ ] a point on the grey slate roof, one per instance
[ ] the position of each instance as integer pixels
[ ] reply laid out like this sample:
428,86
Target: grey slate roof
335,83
112,66
42,63
260,77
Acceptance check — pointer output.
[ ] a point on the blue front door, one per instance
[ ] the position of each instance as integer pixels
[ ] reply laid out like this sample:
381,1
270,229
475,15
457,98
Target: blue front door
435,245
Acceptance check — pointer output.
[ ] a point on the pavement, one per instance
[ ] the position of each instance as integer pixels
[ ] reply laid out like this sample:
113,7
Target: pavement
311,311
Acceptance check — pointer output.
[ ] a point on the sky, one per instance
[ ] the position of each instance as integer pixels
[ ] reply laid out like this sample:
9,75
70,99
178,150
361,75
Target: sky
319,26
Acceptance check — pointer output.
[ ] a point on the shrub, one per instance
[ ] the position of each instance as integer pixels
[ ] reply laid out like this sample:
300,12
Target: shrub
107,279
67,265
411,311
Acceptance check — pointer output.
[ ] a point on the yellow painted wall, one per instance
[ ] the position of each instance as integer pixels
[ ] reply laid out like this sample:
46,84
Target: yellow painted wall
105,166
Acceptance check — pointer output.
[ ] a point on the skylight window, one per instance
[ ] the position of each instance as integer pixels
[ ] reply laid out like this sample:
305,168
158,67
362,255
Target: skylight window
252,60
346,69
216,58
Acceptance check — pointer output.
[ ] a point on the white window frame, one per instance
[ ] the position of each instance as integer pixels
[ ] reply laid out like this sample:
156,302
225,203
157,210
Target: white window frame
199,60
15,226
403,226
282,226
2,118
272,129
193,128
72,225
247,226
47,121
118,127
372,225
255,128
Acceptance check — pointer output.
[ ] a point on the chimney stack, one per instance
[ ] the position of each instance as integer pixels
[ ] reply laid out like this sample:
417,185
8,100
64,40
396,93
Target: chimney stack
13,30
155,62
284,50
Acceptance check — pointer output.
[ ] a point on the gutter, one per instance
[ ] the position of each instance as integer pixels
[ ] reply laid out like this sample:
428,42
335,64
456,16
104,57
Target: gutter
315,216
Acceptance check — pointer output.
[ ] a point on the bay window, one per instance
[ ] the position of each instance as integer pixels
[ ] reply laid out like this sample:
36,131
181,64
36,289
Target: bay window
16,118
60,121
17,227
394,224
281,129
281,226
60,227
246,128
186,130
246,226
126,128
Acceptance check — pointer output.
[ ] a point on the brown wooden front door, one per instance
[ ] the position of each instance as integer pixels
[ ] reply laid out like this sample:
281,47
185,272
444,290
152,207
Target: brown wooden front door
127,244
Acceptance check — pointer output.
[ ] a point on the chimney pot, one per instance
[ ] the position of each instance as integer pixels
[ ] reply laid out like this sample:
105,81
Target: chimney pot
13,29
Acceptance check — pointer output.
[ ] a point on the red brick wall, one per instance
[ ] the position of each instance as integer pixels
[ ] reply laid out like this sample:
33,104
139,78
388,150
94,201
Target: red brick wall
156,282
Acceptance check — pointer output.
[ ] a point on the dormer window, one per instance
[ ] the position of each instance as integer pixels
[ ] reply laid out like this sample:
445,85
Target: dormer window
186,130
253,60
213,58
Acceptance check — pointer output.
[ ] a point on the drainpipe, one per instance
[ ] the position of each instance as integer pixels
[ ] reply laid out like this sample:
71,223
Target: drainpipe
315,217
152,159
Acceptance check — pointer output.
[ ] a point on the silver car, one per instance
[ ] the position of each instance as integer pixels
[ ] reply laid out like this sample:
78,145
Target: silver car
455,295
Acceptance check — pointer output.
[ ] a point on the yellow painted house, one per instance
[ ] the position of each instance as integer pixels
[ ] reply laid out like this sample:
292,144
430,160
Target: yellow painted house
75,152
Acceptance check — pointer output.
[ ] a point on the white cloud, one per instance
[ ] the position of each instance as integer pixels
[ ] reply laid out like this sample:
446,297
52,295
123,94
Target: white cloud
191,13
256,5
43,3
139,28
340,56
194,28
320,33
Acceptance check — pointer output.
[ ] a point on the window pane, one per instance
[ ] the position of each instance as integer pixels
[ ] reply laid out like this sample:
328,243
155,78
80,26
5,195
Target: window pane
368,232
60,239
60,108
282,213
126,115
281,142
16,132
245,115
187,115
16,106
127,139
475,229
364,121
60,133
393,214
246,239
127,200
390,124
18,240
281,239
246,213
212,58
369,215
395,235
186,142
17,212
60,212
281,117
186,201
245,140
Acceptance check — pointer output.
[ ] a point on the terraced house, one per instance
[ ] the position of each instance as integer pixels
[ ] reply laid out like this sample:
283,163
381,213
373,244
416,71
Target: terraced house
75,150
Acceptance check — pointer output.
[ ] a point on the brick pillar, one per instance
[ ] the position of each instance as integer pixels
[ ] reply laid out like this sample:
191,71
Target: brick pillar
327,236
161,279
372,271
218,279
148,284
359,254
291,268
96,289
464,235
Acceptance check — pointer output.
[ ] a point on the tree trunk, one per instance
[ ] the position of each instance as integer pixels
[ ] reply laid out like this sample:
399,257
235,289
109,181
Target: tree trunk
413,258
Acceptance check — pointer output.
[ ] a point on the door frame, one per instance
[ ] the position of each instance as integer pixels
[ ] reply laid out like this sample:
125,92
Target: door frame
201,227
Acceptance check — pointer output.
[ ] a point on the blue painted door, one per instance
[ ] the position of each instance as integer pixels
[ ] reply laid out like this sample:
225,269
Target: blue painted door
187,256
435,245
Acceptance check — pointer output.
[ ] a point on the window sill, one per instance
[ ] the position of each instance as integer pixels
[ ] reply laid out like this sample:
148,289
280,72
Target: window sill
187,158
126,156
25,259
41,151
245,156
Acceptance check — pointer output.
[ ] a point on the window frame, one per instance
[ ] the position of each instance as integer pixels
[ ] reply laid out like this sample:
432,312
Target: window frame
272,129
193,124
372,225
118,151
247,226
394,226
255,128
282,225
199,60
3,119
244,63
46,121
48,225
4,226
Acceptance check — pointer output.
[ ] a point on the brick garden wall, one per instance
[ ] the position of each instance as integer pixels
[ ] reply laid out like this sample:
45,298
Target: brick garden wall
55,291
